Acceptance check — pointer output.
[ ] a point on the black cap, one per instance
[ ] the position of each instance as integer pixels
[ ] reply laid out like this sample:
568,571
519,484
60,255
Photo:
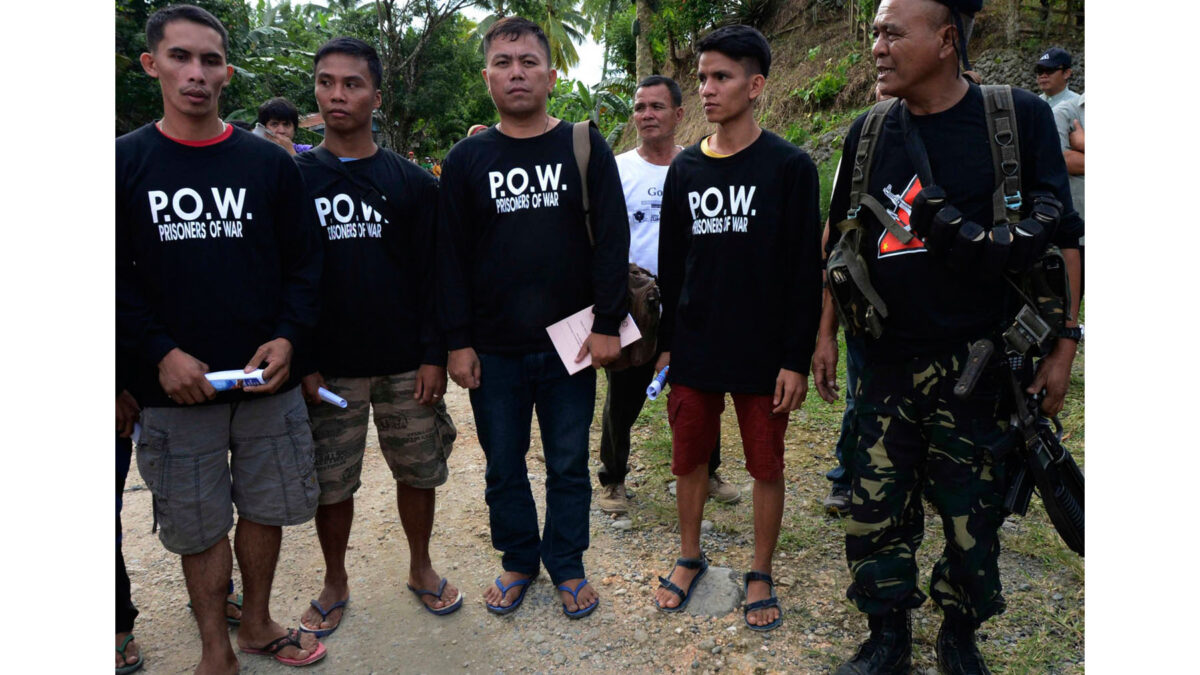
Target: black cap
964,6
1055,57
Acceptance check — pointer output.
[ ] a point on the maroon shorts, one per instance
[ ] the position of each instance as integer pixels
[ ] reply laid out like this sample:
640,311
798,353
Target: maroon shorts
695,418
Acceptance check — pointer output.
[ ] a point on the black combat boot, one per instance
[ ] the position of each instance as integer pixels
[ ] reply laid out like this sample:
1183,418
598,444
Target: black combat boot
887,651
956,650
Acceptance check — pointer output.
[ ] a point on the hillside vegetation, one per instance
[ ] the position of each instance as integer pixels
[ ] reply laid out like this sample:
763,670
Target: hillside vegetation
823,75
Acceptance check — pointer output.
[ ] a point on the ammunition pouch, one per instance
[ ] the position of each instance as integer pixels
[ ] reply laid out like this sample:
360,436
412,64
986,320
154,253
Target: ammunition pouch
859,307
967,245
996,250
928,202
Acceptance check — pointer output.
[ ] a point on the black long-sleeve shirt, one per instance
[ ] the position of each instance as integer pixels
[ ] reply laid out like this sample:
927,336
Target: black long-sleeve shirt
740,266
513,250
931,309
377,310
217,253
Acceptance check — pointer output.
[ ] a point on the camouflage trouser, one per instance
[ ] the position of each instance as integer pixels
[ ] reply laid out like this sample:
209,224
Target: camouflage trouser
416,440
915,436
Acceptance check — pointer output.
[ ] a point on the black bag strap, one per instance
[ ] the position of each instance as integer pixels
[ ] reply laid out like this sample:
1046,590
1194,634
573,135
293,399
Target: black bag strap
582,147
371,194
1006,154
915,147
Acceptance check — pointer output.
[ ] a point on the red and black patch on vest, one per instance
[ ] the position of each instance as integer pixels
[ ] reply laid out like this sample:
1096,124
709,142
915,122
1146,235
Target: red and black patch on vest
900,211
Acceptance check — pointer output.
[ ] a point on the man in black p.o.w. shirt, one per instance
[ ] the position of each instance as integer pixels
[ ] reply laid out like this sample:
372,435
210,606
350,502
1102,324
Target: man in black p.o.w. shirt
513,258
377,345
740,269
915,436
218,265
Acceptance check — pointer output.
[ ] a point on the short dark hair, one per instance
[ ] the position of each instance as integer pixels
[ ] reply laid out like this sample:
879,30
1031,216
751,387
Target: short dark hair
671,85
158,21
741,43
512,28
278,108
352,47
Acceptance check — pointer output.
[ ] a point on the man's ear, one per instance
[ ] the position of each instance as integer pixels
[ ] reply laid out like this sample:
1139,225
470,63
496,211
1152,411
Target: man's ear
228,73
757,84
949,42
553,78
148,65
378,99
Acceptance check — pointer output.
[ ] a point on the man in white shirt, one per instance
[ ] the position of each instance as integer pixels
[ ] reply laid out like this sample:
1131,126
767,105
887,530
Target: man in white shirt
657,110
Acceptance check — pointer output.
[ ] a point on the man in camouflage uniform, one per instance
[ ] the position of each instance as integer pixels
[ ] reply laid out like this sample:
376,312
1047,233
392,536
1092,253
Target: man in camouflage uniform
915,436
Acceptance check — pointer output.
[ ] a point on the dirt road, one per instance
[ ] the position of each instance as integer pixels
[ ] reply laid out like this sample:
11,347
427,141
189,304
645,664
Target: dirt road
386,631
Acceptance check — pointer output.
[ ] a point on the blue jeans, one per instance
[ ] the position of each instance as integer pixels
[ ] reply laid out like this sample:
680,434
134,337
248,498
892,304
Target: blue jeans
511,387
854,356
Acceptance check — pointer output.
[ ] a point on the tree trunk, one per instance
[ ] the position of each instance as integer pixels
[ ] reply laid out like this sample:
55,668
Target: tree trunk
645,60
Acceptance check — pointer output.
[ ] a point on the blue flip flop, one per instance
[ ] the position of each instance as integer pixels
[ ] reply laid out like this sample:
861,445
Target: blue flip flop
701,564
772,601
579,613
523,583
323,632
448,609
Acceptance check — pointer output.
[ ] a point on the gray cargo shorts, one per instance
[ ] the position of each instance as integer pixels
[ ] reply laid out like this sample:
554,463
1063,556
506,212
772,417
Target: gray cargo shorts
416,440
200,461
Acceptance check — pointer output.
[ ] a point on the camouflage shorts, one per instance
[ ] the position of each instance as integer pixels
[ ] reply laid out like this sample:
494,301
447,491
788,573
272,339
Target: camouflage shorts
416,440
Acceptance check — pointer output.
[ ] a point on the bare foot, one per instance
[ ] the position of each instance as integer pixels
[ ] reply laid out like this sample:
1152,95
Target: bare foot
133,651
760,590
429,580
493,596
257,637
681,577
587,595
330,596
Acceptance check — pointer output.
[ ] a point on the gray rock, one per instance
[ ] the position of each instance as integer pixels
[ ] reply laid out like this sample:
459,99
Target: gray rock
559,659
671,488
717,594
706,526
623,524
640,635
707,644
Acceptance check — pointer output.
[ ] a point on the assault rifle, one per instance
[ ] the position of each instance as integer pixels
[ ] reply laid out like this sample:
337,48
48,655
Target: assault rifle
1041,461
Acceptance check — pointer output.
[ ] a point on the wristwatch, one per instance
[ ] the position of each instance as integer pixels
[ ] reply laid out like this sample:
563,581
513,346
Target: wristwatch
1075,333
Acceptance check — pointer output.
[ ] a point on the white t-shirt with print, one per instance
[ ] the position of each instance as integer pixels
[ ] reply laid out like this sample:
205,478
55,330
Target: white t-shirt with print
642,183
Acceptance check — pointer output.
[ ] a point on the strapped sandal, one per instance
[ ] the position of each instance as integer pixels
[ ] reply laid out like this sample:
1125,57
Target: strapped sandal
291,639
500,609
129,667
772,601
701,564
579,613
323,632
448,609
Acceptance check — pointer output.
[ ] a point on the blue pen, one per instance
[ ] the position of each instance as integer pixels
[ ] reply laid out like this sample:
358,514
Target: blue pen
656,386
